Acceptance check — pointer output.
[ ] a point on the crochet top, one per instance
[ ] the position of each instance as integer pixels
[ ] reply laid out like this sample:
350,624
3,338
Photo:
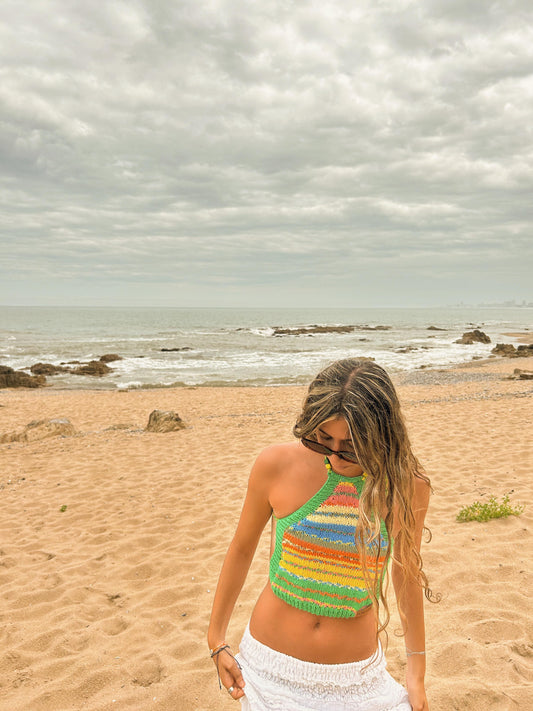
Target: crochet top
316,564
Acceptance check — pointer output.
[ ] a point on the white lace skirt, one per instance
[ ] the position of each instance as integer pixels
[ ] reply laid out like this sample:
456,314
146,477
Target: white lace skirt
277,682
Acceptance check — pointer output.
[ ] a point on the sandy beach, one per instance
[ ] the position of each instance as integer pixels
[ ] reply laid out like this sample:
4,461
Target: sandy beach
111,540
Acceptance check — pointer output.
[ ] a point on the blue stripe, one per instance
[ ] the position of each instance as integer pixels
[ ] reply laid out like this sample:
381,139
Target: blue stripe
326,532
335,533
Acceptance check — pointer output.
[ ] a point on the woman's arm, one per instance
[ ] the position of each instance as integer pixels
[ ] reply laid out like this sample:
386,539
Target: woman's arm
410,596
255,514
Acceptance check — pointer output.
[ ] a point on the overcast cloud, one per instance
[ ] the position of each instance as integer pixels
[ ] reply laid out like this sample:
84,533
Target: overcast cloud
266,153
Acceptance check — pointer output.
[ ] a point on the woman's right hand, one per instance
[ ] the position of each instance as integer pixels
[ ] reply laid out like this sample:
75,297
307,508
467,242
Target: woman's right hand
230,674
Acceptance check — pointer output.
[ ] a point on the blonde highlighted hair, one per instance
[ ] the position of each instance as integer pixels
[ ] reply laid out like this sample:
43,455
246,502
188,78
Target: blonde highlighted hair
362,393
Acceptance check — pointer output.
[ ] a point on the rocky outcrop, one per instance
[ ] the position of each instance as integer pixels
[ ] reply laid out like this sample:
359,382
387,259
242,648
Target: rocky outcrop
110,358
507,350
435,328
41,429
410,349
48,369
307,330
10,378
504,349
525,351
475,336
161,421
176,350
93,367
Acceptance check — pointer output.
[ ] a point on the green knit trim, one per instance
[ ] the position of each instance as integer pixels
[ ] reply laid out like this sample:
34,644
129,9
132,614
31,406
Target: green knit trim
314,608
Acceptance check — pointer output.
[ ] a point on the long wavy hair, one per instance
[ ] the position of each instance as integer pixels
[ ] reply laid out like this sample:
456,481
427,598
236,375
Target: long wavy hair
361,392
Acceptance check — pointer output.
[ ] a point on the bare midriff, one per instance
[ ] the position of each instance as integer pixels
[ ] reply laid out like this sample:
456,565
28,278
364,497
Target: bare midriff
313,638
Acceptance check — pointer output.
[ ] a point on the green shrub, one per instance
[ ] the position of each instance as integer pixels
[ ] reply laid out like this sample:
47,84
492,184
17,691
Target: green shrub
490,509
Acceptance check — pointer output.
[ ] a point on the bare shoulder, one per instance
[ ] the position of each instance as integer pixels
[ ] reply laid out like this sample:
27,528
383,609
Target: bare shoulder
270,467
272,460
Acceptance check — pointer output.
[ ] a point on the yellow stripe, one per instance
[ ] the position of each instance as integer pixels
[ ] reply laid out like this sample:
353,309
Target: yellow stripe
353,571
342,576
333,516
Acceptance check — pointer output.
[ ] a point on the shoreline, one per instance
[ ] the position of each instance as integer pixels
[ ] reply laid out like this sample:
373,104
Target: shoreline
113,537
398,376
489,368
218,360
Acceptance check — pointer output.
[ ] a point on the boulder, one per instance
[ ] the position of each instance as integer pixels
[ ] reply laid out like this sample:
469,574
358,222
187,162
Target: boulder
110,357
435,328
524,351
504,349
161,421
526,375
10,378
93,367
475,336
48,369
41,429
521,375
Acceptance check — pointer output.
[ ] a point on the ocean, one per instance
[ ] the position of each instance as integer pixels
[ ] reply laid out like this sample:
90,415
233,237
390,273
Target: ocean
221,346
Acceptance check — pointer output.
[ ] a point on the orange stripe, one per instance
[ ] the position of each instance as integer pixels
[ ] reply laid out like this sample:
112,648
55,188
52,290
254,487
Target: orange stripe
308,548
319,592
316,602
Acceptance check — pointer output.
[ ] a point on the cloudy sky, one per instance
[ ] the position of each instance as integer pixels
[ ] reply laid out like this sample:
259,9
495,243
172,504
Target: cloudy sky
266,153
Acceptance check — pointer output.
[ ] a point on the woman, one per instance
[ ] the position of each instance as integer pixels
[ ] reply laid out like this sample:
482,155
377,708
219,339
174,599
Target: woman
338,497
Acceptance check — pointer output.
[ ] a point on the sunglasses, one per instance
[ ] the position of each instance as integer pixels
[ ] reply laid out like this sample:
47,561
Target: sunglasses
322,449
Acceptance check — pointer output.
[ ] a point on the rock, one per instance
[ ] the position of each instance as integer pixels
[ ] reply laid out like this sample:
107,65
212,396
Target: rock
506,350
175,350
10,378
110,357
524,351
93,367
161,421
41,429
48,369
306,330
406,349
521,375
475,336
435,328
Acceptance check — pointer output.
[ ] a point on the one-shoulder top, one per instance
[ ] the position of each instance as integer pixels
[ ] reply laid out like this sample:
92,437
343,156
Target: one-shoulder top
316,564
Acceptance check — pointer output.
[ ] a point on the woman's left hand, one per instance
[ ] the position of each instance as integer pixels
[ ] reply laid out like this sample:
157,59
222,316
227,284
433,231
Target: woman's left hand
417,696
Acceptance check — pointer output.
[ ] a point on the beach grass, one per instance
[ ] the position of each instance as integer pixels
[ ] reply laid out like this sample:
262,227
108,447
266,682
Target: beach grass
488,510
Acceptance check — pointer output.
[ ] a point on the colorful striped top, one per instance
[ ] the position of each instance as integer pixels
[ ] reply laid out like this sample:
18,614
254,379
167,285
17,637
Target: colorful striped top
316,564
